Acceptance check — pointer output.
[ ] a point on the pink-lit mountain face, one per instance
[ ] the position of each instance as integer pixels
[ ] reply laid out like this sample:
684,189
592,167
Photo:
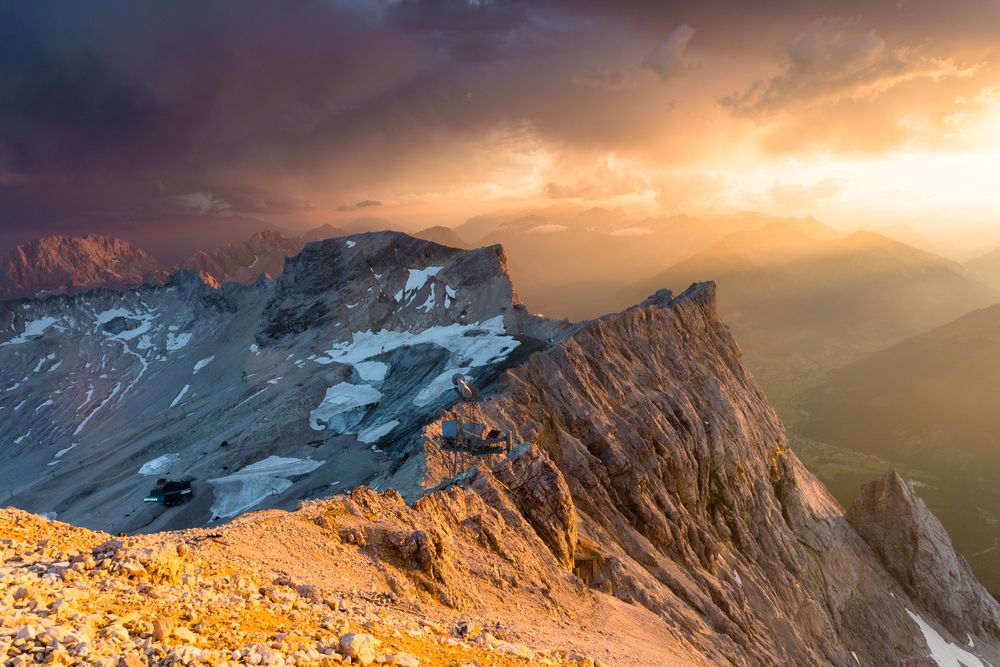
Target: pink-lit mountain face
62,264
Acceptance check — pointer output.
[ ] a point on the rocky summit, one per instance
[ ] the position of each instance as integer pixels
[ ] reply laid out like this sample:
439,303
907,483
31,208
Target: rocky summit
613,492
60,264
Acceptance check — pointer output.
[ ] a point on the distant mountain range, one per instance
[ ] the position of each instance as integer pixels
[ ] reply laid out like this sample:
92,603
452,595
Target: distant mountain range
67,264
803,299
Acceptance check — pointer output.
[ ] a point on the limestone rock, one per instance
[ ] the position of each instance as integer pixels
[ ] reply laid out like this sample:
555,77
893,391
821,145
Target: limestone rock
916,549
359,647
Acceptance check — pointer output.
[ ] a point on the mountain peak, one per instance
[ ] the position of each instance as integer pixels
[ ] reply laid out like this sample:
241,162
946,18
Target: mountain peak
66,264
917,551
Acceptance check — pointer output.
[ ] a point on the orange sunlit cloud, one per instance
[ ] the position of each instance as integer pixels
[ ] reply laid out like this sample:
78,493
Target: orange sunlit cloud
438,111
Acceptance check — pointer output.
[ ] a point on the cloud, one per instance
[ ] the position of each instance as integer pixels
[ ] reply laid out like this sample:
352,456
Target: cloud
605,78
805,197
668,58
367,203
685,190
834,60
202,203
604,181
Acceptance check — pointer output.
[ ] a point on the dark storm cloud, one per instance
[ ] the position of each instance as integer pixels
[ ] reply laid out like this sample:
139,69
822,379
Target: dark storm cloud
366,203
116,109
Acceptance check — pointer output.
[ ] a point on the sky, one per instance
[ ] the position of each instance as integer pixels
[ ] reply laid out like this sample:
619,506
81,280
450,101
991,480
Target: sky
153,119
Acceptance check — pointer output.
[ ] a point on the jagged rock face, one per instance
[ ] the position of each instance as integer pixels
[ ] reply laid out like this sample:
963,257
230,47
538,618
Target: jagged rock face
265,393
436,285
244,261
681,475
540,494
62,264
915,548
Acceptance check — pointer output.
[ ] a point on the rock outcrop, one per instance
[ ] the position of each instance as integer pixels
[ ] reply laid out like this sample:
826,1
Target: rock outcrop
318,377
264,253
63,264
682,477
916,550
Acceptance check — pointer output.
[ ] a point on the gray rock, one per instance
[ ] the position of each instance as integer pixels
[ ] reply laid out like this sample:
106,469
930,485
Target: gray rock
917,551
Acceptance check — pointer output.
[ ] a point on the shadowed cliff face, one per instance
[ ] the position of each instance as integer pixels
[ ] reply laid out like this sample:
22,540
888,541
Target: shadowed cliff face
683,480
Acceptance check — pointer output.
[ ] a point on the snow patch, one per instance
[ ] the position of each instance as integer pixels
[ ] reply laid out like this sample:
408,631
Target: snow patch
249,486
944,652
254,348
415,280
180,395
350,244
428,305
63,452
160,465
32,329
177,341
201,363
344,405
145,319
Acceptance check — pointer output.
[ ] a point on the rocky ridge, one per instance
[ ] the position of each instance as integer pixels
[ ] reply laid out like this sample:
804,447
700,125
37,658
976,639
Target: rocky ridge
263,253
264,394
58,264
70,265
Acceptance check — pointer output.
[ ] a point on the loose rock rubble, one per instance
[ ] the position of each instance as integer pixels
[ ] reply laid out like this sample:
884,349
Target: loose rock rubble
69,596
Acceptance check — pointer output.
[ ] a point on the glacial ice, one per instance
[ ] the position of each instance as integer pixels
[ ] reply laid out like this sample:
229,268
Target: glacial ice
160,465
249,486
373,434
343,406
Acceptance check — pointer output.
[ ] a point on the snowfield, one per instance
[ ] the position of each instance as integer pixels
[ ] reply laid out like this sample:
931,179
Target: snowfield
242,490
344,405
944,652
160,465
469,346
32,329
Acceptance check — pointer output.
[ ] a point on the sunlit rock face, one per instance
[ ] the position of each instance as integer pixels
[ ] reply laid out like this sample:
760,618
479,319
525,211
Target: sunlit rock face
62,264
684,483
915,548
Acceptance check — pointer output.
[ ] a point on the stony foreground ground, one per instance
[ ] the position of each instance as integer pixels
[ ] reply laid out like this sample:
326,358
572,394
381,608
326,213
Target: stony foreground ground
72,596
